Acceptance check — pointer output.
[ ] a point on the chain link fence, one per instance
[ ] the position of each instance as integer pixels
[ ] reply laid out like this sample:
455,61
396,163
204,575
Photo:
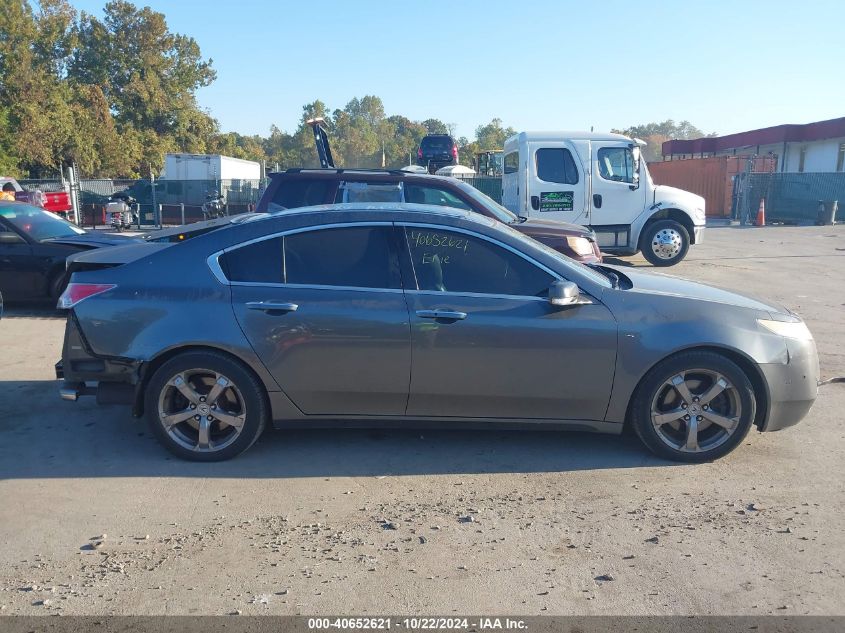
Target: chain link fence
795,198
173,202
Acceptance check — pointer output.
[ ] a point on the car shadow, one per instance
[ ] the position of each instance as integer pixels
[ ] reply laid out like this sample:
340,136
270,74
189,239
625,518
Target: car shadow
32,310
42,436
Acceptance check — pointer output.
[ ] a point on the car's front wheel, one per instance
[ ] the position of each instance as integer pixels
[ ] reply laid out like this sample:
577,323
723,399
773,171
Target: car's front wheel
665,243
205,406
694,407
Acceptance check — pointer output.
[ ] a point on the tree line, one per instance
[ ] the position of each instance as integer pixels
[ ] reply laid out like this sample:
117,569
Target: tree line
112,95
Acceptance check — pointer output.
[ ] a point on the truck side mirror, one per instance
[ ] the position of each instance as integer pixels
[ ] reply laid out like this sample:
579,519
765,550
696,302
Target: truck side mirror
636,156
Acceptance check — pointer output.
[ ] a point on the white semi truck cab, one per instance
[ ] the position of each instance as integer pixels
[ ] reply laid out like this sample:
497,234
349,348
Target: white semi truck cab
601,181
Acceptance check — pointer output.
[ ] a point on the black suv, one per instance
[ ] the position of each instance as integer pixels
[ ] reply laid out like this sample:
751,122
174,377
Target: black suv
296,188
436,151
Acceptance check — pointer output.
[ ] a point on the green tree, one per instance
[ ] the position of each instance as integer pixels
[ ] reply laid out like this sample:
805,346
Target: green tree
148,75
435,126
655,134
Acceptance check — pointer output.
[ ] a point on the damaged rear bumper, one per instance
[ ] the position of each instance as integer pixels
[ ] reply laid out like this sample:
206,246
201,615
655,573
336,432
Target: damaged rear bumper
83,373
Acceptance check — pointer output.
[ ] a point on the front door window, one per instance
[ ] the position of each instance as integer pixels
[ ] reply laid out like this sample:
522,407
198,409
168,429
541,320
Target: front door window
448,261
616,164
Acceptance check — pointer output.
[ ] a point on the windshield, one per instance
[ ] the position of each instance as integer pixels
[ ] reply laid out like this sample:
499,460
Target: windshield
38,223
498,211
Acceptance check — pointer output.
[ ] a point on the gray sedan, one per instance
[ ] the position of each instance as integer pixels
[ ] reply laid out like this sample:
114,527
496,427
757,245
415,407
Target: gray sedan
402,313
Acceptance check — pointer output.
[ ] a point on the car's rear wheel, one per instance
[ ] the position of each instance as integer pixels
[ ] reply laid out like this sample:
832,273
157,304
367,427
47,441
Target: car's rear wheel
665,243
694,407
205,406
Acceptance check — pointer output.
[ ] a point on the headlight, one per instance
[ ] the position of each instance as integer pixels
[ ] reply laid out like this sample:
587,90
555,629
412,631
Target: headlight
789,329
581,245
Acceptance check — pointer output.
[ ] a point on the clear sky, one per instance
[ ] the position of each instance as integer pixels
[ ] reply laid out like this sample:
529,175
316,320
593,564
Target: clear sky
726,66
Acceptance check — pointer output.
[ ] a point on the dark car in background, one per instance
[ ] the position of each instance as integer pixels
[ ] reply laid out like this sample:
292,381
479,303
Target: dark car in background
366,314
297,188
34,245
436,151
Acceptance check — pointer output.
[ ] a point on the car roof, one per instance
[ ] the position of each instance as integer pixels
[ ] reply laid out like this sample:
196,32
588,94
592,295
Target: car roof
567,134
392,208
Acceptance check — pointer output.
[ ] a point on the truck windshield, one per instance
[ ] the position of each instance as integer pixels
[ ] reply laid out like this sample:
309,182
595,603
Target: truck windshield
38,223
498,211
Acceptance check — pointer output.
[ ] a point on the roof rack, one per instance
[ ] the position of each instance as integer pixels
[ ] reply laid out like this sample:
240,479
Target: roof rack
352,170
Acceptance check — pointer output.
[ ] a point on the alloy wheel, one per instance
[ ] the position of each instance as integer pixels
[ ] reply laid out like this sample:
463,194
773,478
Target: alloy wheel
202,410
696,410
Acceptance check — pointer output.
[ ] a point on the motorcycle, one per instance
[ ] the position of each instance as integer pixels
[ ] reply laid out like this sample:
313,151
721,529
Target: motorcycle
121,211
214,206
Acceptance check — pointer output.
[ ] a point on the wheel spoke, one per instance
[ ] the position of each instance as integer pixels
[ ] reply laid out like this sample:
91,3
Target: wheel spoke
680,385
203,437
217,389
718,387
185,389
169,420
659,419
236,421
691,443
729,424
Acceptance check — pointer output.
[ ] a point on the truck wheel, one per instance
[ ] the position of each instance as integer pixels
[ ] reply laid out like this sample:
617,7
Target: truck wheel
664,243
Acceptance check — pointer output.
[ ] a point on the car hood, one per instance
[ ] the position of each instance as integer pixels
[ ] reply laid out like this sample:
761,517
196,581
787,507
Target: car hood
667,285
551,228
94,239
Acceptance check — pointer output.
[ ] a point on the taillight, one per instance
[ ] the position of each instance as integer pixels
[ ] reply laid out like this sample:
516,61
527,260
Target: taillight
74,293
454,152
419,152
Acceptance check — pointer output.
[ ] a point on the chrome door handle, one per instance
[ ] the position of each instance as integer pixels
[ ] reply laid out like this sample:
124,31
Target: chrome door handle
442,314
272,306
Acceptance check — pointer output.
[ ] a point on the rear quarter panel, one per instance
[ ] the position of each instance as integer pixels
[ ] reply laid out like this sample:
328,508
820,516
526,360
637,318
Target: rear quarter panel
165,301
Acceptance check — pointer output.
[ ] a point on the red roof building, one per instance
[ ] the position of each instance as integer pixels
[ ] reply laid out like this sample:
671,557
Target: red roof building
812,147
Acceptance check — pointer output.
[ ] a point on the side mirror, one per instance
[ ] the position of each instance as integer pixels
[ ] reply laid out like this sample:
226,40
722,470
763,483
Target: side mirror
637,159
7,237
564,293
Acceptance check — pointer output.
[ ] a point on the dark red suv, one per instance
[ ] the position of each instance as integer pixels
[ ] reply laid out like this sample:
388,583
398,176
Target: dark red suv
296,188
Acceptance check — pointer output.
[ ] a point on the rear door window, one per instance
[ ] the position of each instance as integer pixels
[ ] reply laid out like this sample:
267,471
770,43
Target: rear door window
434,195
437,143
354,256
295,193
369,192
555,164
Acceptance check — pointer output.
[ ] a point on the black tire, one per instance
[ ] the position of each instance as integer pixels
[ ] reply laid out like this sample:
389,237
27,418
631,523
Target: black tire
247,388
667,229
56,286
739,394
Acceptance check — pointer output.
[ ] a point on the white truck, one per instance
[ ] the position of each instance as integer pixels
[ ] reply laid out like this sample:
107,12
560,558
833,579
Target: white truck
599,180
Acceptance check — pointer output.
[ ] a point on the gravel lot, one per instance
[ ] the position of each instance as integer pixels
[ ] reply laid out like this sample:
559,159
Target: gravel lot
95,518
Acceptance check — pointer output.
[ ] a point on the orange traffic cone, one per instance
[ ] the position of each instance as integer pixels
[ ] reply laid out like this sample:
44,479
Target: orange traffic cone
761,213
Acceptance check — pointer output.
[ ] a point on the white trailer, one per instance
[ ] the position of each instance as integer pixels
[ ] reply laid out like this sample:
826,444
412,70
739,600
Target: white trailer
209,167
195,178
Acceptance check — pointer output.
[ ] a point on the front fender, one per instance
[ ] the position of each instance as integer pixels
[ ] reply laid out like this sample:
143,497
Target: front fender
652,330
